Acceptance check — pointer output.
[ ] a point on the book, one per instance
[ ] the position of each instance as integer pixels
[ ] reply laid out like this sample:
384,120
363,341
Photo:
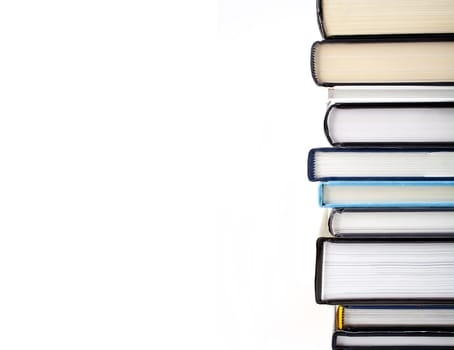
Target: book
395,317
389,93
384,124
327,164
338,18
391,222
396,340
386,194
372,62
384,271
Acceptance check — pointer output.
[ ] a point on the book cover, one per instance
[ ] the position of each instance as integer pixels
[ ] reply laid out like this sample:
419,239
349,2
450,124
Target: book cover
386,194
394,317
411,61
391,222
384,18
370,164
384,271
385,124
397,340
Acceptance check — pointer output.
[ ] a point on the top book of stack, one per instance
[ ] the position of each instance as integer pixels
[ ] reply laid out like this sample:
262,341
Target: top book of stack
385,18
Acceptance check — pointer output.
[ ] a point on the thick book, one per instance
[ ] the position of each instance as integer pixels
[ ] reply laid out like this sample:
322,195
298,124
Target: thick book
327,164
372,62
354,18
396,340
427,124
386,194
395,317
391,222
384,271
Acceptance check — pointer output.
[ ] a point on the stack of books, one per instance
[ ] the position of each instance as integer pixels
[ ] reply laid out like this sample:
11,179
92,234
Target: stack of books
385,257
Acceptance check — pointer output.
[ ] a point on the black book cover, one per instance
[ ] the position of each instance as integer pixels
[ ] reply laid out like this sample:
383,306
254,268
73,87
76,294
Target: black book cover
371,39
384,105
434,334
385,301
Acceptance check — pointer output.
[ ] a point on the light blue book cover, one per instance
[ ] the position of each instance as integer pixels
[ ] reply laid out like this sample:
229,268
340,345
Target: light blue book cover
402,194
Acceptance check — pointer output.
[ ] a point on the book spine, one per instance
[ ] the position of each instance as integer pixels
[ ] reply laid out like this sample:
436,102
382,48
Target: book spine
326,129
320,19
321,195
314,60
310,165
340,317
318,270
333,213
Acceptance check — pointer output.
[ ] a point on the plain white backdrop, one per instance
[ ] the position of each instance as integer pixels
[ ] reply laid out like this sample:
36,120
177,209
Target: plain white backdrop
153,189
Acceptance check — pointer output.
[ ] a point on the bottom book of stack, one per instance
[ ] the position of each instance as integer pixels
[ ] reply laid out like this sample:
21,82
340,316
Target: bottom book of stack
394,327
418,340
396,288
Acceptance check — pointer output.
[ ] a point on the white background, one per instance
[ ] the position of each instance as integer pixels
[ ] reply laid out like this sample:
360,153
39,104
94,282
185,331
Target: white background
153,189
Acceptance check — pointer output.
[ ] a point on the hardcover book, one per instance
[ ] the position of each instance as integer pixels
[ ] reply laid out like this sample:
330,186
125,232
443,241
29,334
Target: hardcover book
386,194
384,271
327,164
372,62
338,18
396,340
391,222
390,124
395,317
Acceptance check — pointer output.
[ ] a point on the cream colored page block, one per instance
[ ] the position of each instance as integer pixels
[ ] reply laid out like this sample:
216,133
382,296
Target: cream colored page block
385,62
356,17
